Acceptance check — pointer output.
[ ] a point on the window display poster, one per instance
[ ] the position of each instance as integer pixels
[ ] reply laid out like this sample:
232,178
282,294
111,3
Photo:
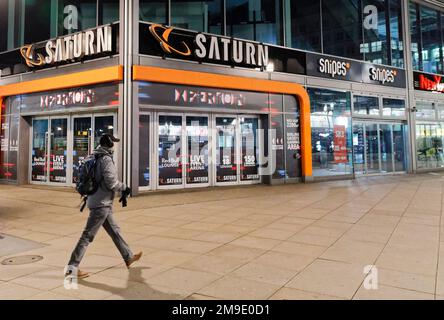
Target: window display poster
340,144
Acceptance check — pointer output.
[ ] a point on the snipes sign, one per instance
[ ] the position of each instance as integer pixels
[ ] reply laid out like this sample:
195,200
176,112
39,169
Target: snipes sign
69,48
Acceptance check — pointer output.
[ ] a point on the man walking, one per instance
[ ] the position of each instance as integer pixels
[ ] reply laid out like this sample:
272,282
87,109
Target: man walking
100,204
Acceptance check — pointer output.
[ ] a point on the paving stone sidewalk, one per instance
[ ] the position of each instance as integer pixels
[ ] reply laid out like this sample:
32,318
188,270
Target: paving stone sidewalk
302,241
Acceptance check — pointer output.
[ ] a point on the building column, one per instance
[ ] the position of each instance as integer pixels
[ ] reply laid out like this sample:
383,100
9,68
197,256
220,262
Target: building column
410,103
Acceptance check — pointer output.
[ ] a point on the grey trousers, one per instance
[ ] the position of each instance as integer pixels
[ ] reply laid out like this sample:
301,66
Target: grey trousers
99,217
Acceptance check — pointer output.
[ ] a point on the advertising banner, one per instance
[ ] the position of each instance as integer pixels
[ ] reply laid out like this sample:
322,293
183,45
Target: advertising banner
340,144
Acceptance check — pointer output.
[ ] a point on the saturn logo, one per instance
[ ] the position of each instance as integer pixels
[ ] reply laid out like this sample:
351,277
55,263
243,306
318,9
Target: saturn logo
32,60
162,34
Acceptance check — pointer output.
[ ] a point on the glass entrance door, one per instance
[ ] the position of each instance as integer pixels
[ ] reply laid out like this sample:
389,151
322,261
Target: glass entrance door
39,153
226,149
82,132
249,164
49,150
197,139
378,147
170,151
58,141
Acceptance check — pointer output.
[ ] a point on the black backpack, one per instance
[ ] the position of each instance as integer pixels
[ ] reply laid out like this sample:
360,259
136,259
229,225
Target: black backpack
87,184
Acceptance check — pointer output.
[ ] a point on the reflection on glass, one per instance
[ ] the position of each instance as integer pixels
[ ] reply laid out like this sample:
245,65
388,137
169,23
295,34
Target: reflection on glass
250,149
81,143
304,32
393,107
226,164
153,11
425,110
330,132
257,20
399,147
197,150
429,145
375,45
109,11
204,16
386,141
144,150
341,20
277,144
292,146
431,42
170,153
39,150
102,125
58,153
372,148
366,105
358,148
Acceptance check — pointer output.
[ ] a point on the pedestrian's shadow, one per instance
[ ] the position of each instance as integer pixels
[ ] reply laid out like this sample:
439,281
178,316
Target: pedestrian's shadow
136,288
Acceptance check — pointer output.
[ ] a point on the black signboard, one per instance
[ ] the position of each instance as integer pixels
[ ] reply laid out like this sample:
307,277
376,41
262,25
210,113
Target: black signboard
382,75
188,45
159,94
344,69
333,68
85,45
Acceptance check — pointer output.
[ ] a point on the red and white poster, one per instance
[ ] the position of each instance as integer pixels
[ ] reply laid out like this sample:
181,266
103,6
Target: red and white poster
340,144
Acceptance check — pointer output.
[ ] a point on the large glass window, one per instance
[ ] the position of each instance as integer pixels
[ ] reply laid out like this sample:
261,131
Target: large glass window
205,16
431,40
108,11
258,20
3,25
429,145
396,46
376,44
303,29
153,11
37,20
425,110
393,107
341,26
331,132
366,105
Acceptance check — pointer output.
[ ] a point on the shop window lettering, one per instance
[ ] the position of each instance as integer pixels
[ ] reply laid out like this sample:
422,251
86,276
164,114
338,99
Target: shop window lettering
71,21
371,18
84,97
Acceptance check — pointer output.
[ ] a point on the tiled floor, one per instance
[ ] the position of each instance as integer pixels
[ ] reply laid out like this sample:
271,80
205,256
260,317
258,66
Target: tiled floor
304,241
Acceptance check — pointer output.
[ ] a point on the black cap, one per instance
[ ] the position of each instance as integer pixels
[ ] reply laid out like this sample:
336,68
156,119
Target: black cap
107,140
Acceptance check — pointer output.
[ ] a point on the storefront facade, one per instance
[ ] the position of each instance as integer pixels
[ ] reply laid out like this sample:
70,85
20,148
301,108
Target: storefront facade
222,92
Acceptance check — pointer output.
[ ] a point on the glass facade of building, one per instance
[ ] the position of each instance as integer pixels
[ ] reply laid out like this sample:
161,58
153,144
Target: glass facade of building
368,30
31,21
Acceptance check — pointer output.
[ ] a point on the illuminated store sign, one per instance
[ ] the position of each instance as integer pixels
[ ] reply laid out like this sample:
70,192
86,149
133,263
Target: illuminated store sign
172,43
356,71
70,47
333,67
428,82
210,47
81,46
84,97
212,98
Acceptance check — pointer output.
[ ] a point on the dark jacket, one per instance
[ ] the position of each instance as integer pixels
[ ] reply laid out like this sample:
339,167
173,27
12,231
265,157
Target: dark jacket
106,175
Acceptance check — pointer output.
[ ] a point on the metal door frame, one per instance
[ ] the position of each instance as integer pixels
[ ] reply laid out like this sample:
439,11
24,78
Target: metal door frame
48,150
185,138
239,134
236,149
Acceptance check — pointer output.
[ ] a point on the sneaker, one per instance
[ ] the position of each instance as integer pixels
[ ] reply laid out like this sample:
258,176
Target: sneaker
80,274
135,258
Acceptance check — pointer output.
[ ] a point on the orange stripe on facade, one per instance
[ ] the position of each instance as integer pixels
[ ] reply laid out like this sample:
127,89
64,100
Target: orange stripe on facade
203,79
71,80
